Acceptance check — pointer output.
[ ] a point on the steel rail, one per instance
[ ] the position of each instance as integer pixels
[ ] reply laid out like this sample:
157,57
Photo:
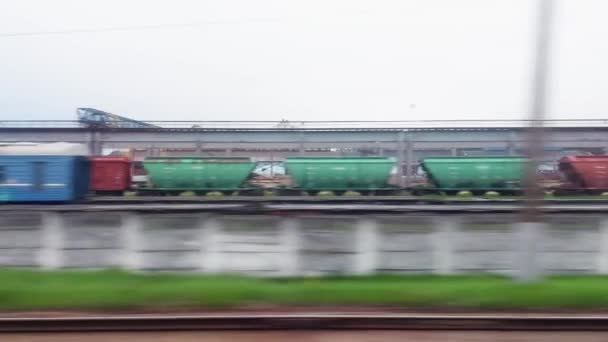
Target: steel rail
317,208
306,322
338,199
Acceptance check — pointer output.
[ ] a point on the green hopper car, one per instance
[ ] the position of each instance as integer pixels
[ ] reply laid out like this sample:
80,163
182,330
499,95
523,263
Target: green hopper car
340,173
198,173
504,174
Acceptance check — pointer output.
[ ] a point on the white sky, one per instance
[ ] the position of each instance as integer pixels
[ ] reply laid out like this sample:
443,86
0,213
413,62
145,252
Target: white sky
299,60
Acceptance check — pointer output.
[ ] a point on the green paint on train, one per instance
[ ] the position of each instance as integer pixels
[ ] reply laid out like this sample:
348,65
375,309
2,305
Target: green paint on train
340,173
198,173
475,173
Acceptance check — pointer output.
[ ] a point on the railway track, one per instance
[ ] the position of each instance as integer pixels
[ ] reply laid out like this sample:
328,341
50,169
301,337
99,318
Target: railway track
302,202
310,322
311,207
333,200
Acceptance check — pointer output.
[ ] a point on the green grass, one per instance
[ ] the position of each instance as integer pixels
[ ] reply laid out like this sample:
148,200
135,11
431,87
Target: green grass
102,290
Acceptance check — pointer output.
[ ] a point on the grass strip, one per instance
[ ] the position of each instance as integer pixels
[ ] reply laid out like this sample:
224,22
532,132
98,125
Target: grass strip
41,290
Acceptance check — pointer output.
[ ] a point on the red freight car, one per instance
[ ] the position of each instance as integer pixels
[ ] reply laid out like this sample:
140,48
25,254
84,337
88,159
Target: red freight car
588,174
110,175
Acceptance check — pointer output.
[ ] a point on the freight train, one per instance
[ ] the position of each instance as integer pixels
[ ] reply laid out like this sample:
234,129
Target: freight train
505,174
364,175
226,175
65,175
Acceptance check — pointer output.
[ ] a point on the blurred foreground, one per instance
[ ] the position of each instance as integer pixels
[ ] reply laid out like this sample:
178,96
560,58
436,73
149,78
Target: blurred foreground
338,336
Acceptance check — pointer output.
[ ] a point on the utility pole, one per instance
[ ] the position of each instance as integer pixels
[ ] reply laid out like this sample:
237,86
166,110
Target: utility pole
531,227
538,106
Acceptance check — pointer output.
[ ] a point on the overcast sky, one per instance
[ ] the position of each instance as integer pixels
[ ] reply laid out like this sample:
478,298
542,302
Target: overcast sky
298,60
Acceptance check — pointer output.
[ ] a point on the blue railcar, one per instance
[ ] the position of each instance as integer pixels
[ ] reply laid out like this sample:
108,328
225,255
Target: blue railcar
43,178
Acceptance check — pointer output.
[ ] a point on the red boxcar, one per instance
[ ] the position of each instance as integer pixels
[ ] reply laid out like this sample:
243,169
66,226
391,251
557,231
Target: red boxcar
588,173
110,174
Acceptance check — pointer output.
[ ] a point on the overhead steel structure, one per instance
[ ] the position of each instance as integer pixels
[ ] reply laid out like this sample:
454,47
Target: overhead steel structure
408,141
94,118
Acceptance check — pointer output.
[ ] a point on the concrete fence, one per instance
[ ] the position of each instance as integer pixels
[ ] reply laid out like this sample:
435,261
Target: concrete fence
303,245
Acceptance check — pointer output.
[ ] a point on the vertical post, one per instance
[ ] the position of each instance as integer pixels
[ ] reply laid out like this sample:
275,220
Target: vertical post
302,146
271,163
210,245
99,145
94,143
290,246
91,142
377,149
228,152
409,160
446,229
454,152
131,230
400,152
539,94
531,227
367,246
602,260
152,151
199,148
511,144
528,236
50,255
